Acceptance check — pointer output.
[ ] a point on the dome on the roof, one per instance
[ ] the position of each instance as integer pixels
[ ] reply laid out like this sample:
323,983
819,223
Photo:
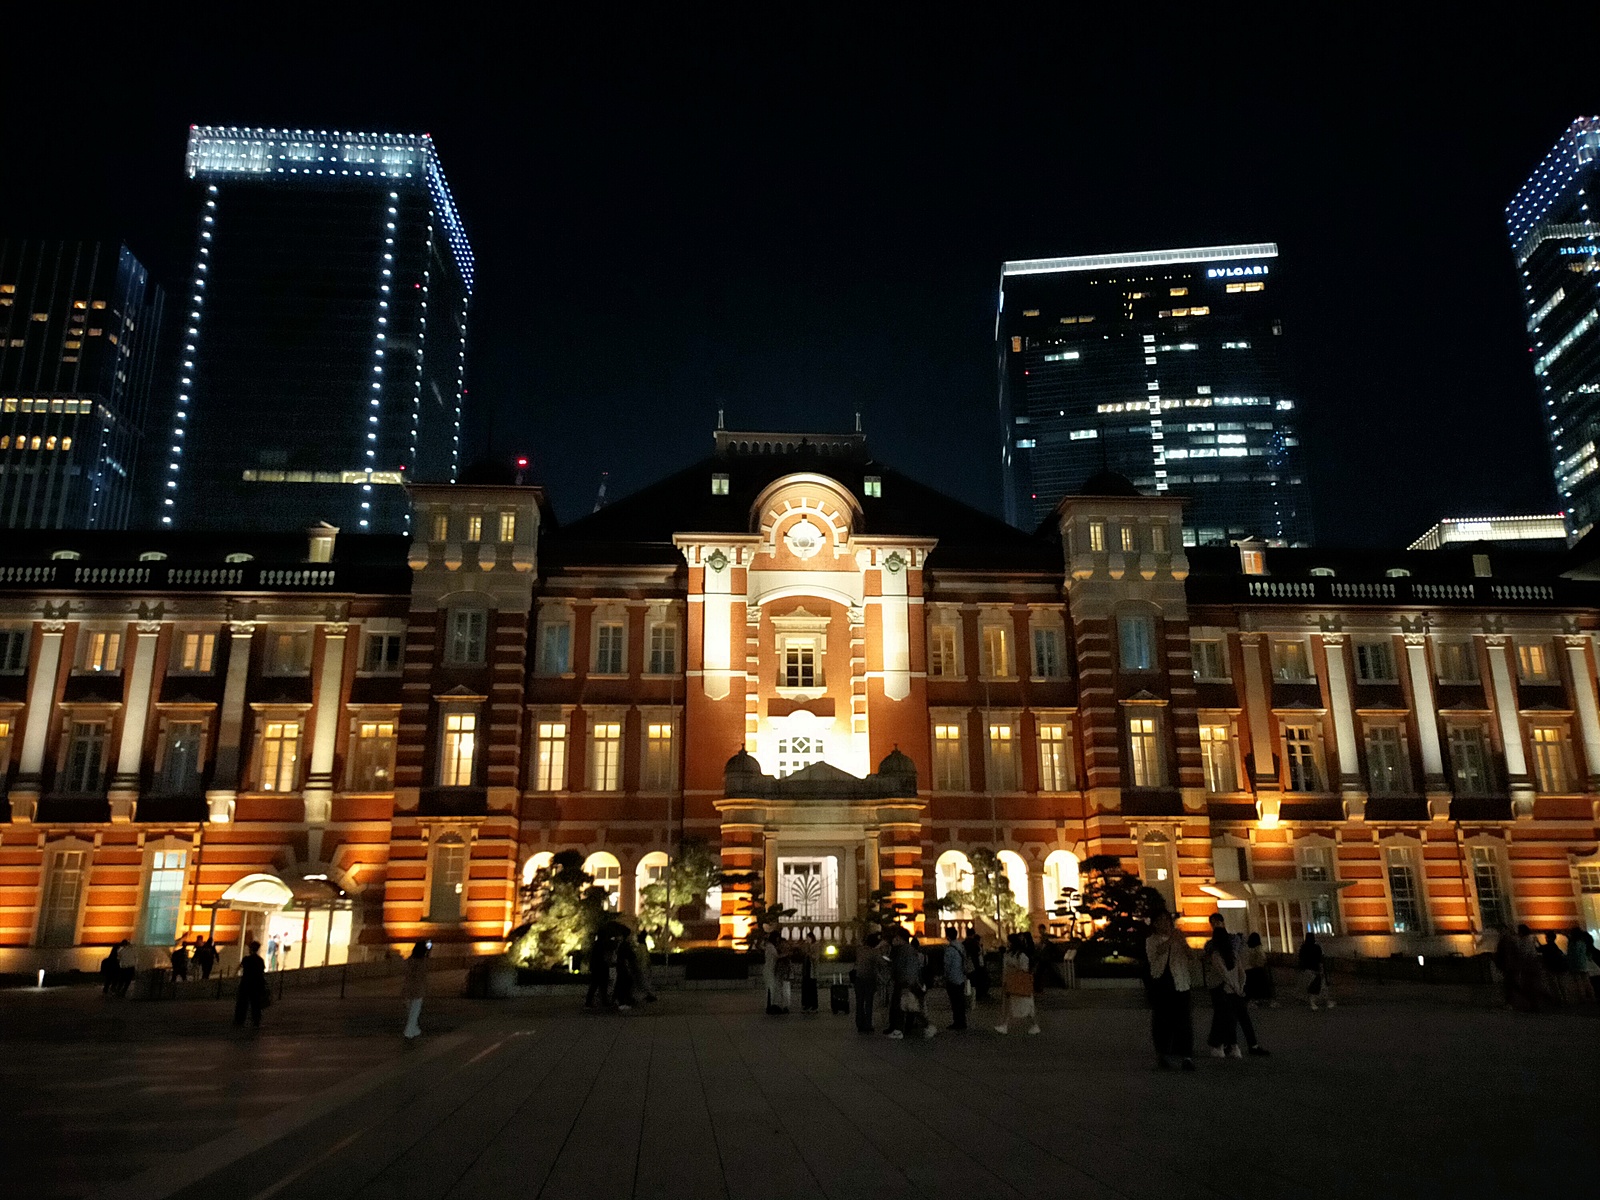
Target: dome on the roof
1108,483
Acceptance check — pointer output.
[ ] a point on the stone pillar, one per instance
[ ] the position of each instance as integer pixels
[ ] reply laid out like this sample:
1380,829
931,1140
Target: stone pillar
318,792
1583,686
896,628
1259,713
1505,704
230,724
1344,729
36,730
124,792
716,648
769,866
1038,902
1434,783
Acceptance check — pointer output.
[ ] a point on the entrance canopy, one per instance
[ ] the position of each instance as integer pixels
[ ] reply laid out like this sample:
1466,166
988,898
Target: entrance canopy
1273,889
263,892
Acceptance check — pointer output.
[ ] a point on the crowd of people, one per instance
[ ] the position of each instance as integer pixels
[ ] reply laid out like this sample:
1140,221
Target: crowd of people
619,969
1537,975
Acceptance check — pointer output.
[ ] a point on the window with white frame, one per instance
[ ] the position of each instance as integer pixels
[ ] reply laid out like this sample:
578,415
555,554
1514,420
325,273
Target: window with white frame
798,748
949,757
448,878
1551,759
1375,662
1302,756
163,897
605,756
381,652
1159,543
610,648
474,527
7,726
458,749
13,650
1000,760
799,668
180,756
550,756
1489,881
607,874
1145,760
1534,662
1158,867
660,757
1404,877
663,648
1388,772
1219,756
1055,756
65,873
1049,661
86,757
372,756
1291,662
279,755
466,636
1210,656
1458,662
995,648
1314,863
196,651
1130,539
287,652
1136,641
1097,537
508,526
555,642
943,662
1469,759
1586,878
441,527
102,651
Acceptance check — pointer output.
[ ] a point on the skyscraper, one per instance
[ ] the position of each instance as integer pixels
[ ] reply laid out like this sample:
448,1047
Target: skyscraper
324,338
1553,237
1164,367
79,326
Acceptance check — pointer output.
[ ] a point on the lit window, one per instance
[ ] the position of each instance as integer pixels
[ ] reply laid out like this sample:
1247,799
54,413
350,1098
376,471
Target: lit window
1218,760
1533,662
1001,762
1136,642
608,648
719,485
1178,291
660,762
799,663
195,651
605,756
98,304
102,651
1158,538
474,528
459,751
1253,562
873,486
163,897
280,755
1055,758
550,756
1144,752
66,443
1129,539
1047,656
1550,758
1290,663
996,648
1097,536
441,527
372,758
41,316
949,764
508,527
942,662
1302,753
466,636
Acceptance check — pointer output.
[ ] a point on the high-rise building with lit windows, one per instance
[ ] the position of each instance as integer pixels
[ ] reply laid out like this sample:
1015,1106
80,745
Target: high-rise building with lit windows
80,324
1552,230
1165,367
323,339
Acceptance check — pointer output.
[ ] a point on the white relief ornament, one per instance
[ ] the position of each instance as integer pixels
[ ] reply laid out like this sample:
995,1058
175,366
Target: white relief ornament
804,539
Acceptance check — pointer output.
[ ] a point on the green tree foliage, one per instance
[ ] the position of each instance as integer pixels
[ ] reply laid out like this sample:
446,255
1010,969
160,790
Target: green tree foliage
883,913
990,895
1119,905
562,909
694,873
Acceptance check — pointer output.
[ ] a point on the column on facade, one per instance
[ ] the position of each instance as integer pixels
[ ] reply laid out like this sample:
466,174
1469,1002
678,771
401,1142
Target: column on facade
124,792
24,793
1434,782
1259,716
769,867
896,628
1344,727
325,735
716,651
1505,704
874,865
224,788
1583,686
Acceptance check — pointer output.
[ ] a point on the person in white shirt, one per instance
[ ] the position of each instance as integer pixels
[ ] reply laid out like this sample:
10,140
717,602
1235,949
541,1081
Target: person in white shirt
1173,973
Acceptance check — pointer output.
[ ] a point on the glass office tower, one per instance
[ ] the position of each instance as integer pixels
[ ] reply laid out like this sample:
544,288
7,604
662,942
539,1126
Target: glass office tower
324,337
1552,234
1163,367
80,324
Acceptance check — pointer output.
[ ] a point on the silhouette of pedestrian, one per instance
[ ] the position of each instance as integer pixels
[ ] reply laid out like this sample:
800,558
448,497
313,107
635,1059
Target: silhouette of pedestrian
415,986
866,975
599,972
955,977
180,963
1173,973
205,957
252,987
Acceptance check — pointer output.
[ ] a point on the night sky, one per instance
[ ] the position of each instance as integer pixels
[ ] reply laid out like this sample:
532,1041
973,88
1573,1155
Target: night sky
797,222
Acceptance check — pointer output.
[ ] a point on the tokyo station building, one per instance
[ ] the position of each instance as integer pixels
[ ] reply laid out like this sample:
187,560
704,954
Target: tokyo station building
842,679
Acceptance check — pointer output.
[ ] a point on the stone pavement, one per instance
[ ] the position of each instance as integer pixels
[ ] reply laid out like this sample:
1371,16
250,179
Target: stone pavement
1399,1091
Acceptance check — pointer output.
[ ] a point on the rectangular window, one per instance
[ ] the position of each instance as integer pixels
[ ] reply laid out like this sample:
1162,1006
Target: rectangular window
1469,760
449,884
1315,865
5,748
1494,907
1130,537
183,743
1144,752
382,655
475,528
1158,538
1290,663
1458,662
1387,769
1210,659
872,486
441,527
798,751
550,756
86,753
1375,662
459,752
949,763
605,756
289,652
508,527
1404,894
1097,537
663,648
942,662
1047,656
1001,763
372,757
164,897
1229,863
555,648
13,651
467,635
1533,662
1217,758
996,646
608,648
1055,758
1302,755
1550,757
660,760
799,664
195,652
280,756
1136,642
102,651
719,485
63,896
1589,896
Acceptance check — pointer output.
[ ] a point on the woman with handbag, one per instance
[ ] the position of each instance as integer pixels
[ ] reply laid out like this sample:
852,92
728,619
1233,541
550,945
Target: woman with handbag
1017,984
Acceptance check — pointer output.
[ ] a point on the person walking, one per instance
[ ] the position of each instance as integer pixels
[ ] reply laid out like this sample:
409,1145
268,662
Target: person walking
272,952
1554,961
955,977
1224,976
627,974
807,954
643,975
1258,988
414,986
252,996
1173,972
127,966
775,974
1016,986
866,976
1313,976
180,963
599,972
108,972
205,957
901,968
977,967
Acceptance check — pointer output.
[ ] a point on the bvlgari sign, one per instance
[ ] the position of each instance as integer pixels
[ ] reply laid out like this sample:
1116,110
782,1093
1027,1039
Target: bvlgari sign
1230,272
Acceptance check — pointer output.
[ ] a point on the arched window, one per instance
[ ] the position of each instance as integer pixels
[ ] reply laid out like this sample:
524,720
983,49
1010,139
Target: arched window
536,863
952,873
1060,875
447,893
607,872
652,868
1016,877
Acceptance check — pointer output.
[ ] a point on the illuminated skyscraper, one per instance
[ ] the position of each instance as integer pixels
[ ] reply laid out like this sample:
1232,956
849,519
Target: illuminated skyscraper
1553,236
79,324
1163,367
324,336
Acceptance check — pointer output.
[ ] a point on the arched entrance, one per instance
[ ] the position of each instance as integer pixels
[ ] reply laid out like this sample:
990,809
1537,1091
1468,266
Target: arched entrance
306,912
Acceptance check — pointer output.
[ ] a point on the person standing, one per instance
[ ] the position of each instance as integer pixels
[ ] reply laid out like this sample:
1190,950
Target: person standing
1581,965
252,996
1173,973
1257,974
642,973
807,953
108,972
977,966
1016,986
1508,960
127,966
1224,974
775,974
414,986
205,957
272,953
627,973
599,972
1554,961
900,969
180,963
1313,976
866,977
955,977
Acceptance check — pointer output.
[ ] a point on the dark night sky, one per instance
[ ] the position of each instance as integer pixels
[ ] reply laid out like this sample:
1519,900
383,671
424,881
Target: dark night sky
797,222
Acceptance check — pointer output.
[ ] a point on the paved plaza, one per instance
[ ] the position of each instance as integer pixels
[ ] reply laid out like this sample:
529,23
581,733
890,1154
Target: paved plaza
1400,1091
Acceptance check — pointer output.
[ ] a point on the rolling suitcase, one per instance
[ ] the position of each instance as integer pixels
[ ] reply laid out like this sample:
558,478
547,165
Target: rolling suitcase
839,997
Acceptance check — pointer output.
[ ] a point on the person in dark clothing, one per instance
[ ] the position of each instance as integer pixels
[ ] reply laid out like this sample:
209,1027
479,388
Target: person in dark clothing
977,967
108,972
252,987
1257,974
1312,977
627,970
180,963
205,957
1554,961
955,978
868,971
599,972
1173,973
901,972
808,973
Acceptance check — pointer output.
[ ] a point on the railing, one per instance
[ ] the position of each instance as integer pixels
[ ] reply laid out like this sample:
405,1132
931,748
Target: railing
1485,592
159,576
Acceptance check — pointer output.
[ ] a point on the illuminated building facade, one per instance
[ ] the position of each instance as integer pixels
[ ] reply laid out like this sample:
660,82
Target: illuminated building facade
1552,232
1165,367
841,679
80,324
1546,532
324,337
